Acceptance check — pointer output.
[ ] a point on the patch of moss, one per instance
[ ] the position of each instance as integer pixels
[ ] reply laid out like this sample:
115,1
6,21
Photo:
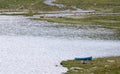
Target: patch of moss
22,5
110,65
98,5
107,21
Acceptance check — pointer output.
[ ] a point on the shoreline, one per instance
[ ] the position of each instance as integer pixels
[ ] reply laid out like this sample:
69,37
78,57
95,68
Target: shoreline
69,48
109,64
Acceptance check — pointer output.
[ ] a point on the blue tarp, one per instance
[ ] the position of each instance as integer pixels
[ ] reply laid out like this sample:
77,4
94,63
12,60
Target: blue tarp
86,58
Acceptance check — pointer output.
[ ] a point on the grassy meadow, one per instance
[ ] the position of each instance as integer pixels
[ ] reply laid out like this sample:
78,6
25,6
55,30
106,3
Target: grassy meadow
110,65
38,5
22,5
107,21
98,5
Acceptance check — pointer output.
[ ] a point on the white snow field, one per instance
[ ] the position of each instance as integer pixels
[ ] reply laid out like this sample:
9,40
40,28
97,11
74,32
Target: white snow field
37,47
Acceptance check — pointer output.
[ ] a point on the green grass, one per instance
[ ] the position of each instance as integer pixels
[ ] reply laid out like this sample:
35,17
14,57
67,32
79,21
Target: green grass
62,20
98,5
107,21
38,5
110,65
31,5
23,14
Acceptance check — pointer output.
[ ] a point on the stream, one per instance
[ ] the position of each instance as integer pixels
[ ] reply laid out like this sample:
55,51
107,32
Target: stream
50,3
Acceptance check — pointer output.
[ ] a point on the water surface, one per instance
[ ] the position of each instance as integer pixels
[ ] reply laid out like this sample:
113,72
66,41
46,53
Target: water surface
37,47
50,2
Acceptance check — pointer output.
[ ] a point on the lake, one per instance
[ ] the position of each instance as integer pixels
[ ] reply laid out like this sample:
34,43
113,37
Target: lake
37,47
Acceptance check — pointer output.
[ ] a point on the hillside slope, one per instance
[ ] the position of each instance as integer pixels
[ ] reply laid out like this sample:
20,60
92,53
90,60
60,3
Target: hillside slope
98,5
43,5
16,5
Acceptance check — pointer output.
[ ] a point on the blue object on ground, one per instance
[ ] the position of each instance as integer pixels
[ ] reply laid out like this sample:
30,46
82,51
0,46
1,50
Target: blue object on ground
86,58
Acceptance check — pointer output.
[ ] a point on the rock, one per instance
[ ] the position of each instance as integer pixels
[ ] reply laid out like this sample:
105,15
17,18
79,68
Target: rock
56,65
111,61
94,67
106,65
76,68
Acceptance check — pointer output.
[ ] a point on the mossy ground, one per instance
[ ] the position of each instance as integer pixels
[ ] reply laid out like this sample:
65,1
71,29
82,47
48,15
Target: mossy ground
25,5
107,21
98,5
110,65
38,5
